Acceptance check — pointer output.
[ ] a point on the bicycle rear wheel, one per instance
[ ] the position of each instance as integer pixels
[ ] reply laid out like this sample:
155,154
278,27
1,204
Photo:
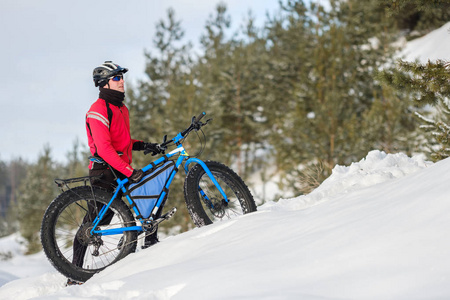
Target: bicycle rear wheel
66,238
205,203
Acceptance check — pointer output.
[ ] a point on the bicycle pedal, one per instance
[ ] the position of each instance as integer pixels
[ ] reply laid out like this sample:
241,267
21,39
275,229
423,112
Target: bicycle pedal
169,214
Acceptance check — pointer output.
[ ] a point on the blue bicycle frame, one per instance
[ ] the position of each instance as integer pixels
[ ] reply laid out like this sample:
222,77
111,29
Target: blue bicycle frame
122,187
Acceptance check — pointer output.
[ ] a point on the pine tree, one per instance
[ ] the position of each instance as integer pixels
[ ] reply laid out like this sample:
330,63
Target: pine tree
417,17
4,179
427,83
165,103
387,123
34,195
398,130
287,85
217,86
77,161
12,174
324,62
5,190
231,72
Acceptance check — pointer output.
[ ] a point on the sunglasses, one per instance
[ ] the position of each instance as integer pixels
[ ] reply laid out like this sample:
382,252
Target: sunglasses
117,78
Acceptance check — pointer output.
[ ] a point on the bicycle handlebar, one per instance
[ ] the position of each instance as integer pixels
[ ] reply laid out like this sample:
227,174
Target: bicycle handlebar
195,125
200,116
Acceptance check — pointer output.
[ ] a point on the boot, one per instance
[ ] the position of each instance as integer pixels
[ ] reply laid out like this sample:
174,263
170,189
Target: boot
73,282
150,239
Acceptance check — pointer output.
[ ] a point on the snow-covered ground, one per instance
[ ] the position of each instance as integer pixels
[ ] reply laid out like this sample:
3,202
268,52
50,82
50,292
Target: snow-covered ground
377,229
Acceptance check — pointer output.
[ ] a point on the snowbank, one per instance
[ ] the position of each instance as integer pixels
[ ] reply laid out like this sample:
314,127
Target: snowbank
14,264
433,46
376,168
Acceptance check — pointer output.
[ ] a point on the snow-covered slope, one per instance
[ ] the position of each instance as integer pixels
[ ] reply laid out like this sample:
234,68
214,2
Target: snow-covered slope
433,46
377,229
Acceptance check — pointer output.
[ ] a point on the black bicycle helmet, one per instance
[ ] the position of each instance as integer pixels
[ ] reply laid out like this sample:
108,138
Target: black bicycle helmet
103,73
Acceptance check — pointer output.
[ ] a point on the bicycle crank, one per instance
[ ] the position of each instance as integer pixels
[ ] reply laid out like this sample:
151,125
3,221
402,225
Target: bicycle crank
153,225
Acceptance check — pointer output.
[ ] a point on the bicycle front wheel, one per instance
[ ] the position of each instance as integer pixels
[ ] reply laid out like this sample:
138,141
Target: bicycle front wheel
66,238
206,204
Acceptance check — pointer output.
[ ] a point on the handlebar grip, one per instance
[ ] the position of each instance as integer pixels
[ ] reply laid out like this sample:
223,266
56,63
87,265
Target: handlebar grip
200,116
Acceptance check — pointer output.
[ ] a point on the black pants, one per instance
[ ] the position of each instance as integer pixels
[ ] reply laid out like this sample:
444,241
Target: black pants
108,182
78,249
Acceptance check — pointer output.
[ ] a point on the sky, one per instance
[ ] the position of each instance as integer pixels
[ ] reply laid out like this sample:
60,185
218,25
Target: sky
50,47
376,229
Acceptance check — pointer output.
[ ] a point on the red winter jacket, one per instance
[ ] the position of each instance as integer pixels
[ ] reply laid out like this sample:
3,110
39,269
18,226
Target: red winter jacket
107,139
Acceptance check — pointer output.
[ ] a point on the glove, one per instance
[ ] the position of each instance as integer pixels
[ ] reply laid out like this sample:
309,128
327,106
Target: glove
136,176
152,148
139,146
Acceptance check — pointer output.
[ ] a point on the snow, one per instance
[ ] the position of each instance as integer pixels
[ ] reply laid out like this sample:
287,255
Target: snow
377,229
433,46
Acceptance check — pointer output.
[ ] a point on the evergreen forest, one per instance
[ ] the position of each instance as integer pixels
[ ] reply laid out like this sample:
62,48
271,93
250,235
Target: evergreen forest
313,87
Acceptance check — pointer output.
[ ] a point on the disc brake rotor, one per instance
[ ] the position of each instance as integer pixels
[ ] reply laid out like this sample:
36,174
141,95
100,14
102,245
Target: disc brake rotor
218,207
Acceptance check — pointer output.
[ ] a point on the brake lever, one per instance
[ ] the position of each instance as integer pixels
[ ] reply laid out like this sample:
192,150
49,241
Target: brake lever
203,124
162,149
197,125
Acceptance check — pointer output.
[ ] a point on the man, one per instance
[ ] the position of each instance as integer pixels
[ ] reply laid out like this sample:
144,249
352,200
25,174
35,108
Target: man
108,132
108,125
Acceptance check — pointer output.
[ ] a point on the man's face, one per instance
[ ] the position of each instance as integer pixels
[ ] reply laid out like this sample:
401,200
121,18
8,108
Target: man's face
116,83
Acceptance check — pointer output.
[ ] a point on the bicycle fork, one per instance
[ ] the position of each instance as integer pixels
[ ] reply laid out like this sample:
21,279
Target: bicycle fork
224,201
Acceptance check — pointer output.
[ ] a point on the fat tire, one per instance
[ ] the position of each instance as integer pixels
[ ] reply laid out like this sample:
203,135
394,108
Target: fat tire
60,207
241,200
